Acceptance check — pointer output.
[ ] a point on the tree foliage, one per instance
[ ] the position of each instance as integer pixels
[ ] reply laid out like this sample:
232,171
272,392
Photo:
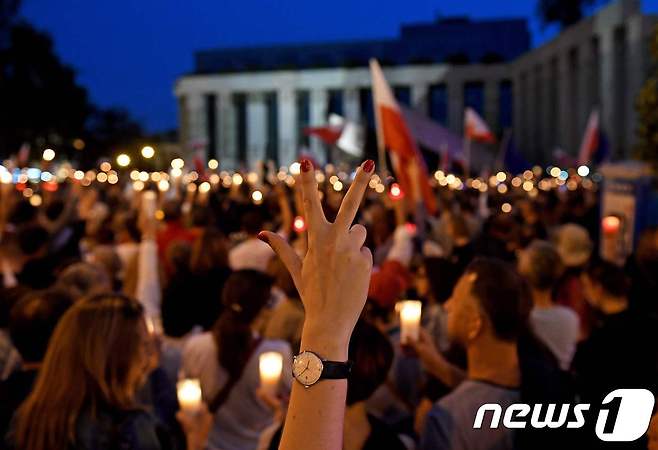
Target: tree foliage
646,146
563,12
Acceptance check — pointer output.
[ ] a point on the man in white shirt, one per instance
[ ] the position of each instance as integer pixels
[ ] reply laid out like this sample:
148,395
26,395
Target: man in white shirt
251,253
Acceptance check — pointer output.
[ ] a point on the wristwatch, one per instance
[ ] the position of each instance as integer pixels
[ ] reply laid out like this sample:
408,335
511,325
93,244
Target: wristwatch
308,368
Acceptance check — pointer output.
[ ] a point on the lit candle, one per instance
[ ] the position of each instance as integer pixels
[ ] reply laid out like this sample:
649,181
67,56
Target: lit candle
409,320
189,395
270,365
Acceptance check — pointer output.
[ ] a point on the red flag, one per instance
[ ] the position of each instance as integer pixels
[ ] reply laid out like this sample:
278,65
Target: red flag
394,135
328,134
475,128
590,140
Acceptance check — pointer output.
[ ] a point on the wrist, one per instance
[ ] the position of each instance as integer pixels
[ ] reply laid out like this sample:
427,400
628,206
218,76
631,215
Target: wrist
327,345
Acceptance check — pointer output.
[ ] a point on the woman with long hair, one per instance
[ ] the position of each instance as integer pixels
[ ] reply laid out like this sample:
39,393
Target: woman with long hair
84,396
226,360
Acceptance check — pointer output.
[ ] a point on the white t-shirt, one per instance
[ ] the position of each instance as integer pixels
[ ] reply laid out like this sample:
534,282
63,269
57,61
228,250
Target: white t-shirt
240,420
250,254
557,327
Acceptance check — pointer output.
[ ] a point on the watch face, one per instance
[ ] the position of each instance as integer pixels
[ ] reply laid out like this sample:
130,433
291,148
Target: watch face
307,368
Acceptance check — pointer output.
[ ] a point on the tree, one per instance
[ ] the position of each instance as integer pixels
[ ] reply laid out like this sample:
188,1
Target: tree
563,12
109,131
8,11
646,106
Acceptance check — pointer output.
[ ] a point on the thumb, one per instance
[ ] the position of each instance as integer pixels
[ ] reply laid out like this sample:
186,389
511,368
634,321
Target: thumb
286,253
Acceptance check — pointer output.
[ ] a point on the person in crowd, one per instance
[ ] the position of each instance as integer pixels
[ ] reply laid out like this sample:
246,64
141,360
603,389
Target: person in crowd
99,356
83,279
574,245
33,320
37,267
9,356
251,253
226,360
173,230
557,326
287,318
486,316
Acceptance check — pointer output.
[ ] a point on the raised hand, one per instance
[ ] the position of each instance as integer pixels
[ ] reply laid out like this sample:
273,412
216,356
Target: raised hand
333,277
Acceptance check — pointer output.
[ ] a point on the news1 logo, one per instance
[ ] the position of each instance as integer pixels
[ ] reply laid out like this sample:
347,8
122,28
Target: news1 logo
624,415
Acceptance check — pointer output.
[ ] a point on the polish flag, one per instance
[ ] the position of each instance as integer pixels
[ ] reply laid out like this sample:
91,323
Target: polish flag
476,128
393,135
590,143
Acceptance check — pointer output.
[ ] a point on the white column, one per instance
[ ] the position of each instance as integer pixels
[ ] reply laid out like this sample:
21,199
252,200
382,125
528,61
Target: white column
319,102
420,97
256,128
351,107
196,113
287,126
227,142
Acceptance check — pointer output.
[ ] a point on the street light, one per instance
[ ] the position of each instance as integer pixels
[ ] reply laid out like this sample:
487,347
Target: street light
148,152
123,160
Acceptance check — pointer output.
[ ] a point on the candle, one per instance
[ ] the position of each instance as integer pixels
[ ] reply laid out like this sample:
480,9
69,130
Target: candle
189,395
409,320
149,200
270,365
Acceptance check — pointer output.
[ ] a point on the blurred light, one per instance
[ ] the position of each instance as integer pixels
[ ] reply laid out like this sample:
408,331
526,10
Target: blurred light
36,200
501,177
450,179
123,160
143,176
78,175
295,168
299,225
563,175
257,197
252,178
27,192
583,171
555,172
527,175
101,177
48,154
155,176
191,187
338,186
204,187
148,152
237,179
50,186
134,175
319,177
177,163
528,186
506,208
78,144
5,177
439,174
333,179
138,185
159,215
475,184
112,178
380,188
213,164
163,185
610,224
396,191
33,174
176,172
502,188
105,166
214,178
516,181
227,181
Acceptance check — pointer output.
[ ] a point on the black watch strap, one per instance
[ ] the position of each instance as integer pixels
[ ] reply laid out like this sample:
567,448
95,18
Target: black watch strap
334,370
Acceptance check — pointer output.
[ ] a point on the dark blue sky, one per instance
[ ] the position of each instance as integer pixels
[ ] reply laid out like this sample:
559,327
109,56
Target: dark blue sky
128,53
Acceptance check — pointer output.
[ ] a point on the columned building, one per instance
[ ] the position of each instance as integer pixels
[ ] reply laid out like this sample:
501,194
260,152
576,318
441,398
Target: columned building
251,105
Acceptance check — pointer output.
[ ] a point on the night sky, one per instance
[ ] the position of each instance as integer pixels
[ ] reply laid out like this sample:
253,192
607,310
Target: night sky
128,53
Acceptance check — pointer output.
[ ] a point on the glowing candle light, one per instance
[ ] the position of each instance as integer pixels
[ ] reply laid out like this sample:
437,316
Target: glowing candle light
270,365
189,395
410,311
299,224
396,192
610,224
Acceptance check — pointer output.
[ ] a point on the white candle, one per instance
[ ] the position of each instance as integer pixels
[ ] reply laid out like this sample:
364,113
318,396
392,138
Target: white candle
189,395
410,311
270,365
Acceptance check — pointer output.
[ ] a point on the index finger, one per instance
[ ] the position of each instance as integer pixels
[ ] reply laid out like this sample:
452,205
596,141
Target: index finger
352,200
311,199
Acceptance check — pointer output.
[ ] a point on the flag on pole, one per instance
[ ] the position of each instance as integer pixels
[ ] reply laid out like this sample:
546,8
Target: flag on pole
475,128
393,135
594,145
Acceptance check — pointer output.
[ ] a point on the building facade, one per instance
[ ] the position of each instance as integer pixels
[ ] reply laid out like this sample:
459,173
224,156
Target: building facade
249,105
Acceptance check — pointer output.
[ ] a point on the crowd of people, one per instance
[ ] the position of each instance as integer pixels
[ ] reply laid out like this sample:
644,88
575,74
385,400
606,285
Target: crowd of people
105,304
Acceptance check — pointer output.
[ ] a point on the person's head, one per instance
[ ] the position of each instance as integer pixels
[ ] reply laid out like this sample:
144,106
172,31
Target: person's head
434,279
605,284
209,251
245,295
96,356
32,240
573,244
458,228
252,223
33,319
172,210
83,279
372,355
487,302
178,255
540,264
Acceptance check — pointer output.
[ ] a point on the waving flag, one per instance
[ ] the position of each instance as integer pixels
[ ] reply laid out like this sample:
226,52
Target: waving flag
475,128
594,145
393,135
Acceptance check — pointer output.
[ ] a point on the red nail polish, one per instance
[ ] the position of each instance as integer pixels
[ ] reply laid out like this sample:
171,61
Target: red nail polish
306,165
369,165
263,237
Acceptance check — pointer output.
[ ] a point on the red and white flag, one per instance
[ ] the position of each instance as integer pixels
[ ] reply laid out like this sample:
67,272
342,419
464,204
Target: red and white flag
475,128
393,135
590,143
